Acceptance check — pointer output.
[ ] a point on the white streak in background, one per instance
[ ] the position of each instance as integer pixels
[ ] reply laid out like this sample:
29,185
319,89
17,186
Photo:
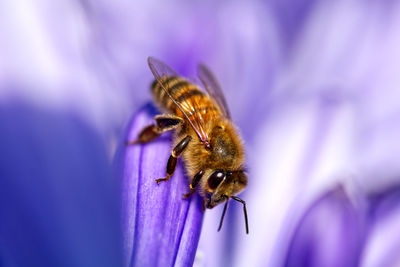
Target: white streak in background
281,147
26,46
285,180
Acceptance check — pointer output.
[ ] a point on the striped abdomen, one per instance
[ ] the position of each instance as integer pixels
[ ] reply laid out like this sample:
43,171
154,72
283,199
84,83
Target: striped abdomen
189,96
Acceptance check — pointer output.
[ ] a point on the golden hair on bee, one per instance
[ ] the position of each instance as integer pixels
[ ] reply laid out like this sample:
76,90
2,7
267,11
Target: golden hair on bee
204,135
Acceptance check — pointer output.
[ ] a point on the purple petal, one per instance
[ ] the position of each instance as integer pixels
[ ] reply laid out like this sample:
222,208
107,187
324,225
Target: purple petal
58,198
330,233
160,228
383,242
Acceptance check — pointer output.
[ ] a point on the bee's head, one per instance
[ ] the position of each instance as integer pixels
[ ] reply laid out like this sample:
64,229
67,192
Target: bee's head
223,184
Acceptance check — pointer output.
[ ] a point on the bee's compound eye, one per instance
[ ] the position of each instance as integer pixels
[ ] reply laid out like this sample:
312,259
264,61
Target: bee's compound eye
215,179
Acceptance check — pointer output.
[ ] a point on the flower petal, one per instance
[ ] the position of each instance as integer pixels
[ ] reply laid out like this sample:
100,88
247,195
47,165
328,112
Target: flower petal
58,198
160,228
382,245
329,234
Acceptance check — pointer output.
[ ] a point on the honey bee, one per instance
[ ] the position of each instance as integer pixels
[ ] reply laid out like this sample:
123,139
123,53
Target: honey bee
204,136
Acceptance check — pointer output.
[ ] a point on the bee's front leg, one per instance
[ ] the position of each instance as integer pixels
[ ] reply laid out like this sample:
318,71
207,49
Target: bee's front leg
165,122
193,185
173,159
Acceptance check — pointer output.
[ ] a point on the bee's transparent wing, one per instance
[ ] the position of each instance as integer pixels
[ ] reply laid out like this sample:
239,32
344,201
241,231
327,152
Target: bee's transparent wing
160,69
161,72
213,89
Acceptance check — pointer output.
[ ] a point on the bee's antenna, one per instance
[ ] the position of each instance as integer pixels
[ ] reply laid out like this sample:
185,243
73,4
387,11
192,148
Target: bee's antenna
223,214
244,210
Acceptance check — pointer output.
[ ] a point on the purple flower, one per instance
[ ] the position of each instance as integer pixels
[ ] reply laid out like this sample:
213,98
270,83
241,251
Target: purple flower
382,242
341,231
331,233
160,228
312,86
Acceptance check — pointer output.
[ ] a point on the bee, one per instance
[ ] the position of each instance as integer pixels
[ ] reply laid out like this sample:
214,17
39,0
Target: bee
204,136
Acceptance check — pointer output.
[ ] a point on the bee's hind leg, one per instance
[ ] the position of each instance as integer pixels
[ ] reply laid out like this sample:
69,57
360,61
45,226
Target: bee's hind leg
165,122
193,184
173,159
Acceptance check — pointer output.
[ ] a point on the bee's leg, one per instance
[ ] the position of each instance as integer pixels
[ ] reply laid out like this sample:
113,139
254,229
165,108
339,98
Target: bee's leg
173,159
148,134
165,122
193,185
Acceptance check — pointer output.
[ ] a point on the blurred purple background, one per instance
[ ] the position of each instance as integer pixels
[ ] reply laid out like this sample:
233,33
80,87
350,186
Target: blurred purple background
312,85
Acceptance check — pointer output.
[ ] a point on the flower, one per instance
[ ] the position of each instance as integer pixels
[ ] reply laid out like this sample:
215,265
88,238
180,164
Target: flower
339,231
312,85
382,239
160,228
331,233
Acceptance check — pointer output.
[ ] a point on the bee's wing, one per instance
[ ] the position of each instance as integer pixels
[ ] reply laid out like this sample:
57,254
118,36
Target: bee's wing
160,71
213,89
